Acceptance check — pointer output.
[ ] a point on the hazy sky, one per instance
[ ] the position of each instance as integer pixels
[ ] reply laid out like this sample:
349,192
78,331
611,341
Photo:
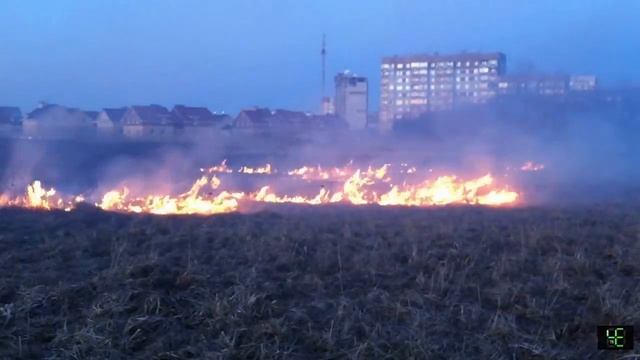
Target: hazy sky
228,54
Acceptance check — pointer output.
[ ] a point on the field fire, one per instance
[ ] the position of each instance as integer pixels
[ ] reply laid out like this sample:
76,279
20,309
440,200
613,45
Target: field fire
439,180
385,186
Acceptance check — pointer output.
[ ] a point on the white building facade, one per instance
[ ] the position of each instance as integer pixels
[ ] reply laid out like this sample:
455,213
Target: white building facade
352,99
415,84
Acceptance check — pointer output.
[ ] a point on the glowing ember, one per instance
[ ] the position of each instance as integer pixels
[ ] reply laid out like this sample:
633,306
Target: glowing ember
355,186
318,173
222,168
259,170
531,166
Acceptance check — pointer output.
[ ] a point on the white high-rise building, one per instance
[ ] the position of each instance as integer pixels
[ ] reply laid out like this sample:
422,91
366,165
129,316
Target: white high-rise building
352,99
415,84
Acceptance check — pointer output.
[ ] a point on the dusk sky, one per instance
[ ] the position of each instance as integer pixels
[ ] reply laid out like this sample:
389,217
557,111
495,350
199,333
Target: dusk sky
229,54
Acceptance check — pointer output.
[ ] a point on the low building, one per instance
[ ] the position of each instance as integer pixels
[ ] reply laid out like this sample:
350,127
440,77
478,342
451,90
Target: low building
288,121
93,115
58,121
109,121
252,120
546,85
153,121
198,122
328,122
264,120
583,83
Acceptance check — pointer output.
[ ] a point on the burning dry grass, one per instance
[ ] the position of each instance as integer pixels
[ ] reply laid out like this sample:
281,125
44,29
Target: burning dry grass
446,283
349,185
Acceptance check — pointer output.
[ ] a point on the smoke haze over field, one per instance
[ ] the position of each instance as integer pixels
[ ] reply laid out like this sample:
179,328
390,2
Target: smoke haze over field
587,155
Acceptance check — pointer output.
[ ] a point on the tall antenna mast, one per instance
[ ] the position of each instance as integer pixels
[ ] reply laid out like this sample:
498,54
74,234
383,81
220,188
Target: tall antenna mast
323,53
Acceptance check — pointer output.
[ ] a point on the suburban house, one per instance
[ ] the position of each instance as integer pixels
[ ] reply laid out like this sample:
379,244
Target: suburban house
328,122
109,121
288,121
10,119
59,121
252,120
285,121
199,121
276,121
149,121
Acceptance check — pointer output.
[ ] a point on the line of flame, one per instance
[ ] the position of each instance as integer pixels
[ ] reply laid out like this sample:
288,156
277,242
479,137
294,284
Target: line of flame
356,189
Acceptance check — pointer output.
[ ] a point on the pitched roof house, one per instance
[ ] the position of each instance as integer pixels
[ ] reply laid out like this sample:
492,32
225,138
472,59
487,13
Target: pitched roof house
56,119
109,121
253,119
194,116
93,115
149,120
280,120
288,120
148,115
199,122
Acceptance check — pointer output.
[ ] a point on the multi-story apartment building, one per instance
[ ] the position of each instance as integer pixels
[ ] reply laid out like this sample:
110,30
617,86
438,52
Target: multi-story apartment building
583,82
544,84
352,99
537,84
415,84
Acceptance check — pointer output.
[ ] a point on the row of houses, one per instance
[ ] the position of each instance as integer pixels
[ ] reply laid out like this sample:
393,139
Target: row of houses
158,121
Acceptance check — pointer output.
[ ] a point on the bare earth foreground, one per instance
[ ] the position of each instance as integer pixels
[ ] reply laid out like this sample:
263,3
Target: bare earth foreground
447,283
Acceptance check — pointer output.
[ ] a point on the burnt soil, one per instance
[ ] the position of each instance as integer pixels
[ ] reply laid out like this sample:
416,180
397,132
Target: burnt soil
446,283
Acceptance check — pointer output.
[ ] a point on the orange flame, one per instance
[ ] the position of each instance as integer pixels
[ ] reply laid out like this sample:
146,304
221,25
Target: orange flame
259,170
359,187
